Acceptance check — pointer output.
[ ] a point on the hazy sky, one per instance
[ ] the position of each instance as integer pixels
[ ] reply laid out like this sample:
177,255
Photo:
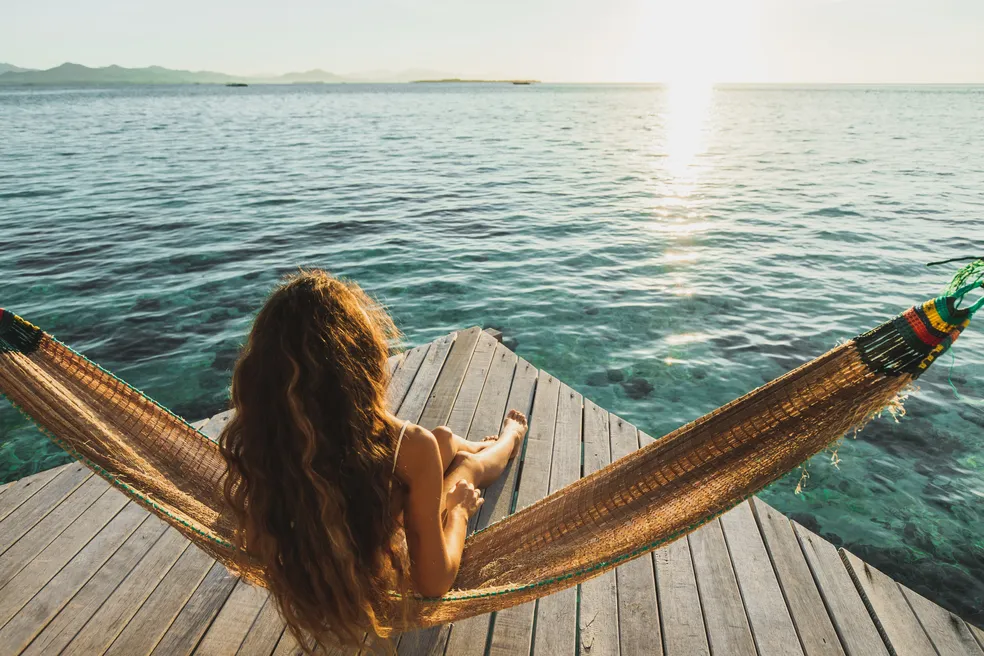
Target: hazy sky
557,40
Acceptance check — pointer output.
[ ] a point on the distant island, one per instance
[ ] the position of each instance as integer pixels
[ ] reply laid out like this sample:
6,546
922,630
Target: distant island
70,74
458,80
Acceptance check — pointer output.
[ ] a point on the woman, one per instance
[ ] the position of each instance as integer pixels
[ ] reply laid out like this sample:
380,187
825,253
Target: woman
346,507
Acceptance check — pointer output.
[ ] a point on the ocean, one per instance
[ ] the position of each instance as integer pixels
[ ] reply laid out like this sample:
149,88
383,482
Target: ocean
663,250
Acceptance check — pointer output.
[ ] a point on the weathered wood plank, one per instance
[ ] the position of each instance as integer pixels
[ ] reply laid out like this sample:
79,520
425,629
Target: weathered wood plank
47,563
556,615
977,633
468,637
197,425
47,529
420,389
813,624
111,618
894,618
262,637
598,621
21,490
855,628
157,613
948,633
768,617
728,631
230,626
638,609
213,427
513,629
439,403
453,402
35,509
499,496
682,620
470,390
403,376
72,616
197,614
36,613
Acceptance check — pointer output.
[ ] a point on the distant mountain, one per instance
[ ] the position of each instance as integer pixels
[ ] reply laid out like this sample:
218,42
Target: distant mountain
70,74
316,75
77,74
10,67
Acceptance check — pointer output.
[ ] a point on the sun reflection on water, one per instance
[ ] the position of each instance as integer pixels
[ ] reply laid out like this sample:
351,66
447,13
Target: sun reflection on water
685,116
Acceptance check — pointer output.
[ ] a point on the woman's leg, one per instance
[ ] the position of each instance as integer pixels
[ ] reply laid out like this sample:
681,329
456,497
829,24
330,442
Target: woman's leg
482,468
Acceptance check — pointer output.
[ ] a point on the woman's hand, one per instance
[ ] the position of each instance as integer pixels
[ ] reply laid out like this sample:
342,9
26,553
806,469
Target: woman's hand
465,496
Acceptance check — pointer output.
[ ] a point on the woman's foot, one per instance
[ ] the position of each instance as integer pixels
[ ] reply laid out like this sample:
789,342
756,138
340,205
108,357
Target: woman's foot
513,428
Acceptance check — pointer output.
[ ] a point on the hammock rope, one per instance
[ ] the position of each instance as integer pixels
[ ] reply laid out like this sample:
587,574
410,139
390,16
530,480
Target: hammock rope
638,503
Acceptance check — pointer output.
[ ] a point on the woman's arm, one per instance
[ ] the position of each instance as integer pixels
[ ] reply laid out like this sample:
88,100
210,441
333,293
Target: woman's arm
435,546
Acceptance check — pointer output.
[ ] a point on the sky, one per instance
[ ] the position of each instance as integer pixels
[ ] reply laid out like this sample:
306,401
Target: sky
816,41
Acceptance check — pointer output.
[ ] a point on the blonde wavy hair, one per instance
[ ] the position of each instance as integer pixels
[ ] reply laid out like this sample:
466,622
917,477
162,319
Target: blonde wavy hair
310,460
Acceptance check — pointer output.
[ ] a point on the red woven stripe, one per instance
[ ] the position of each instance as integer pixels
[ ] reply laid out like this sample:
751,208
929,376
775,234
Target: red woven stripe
919,327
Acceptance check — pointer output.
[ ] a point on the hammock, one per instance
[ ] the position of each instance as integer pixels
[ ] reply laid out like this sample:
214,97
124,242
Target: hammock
636,504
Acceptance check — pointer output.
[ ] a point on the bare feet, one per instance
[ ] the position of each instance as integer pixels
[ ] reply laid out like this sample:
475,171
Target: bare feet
514,427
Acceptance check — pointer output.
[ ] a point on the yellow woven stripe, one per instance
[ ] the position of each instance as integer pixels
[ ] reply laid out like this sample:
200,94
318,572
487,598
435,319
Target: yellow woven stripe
935,319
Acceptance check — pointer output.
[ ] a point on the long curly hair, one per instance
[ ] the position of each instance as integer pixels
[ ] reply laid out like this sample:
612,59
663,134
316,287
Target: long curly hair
310,459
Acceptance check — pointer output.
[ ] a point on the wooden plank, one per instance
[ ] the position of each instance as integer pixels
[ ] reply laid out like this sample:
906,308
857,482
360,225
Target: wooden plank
36,613
20,491
416,397
813,624
470,391
948,633
47,563
229,629
977,632
855,628
682,620
262,637
403,376
638,610
213,427
724,614
598,619
768,617
556,615
72,616
439,403
161,608
513,629
105,624
45,531
468,637
288,647
197,425
35,509
499,496
196,616
894,618
478,348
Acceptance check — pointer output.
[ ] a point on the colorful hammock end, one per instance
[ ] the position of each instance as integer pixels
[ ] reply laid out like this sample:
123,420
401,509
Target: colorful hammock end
913,340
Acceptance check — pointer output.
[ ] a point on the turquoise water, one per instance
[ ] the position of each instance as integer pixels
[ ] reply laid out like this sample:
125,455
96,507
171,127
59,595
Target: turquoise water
662,250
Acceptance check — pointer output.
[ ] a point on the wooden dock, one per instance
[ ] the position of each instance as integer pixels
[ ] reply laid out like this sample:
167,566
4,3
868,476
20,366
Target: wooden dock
84,571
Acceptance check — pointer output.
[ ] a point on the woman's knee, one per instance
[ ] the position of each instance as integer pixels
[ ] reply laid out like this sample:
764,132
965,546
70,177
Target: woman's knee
445,441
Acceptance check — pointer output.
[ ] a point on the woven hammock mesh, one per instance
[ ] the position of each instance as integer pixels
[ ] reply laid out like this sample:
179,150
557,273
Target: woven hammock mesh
652,496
